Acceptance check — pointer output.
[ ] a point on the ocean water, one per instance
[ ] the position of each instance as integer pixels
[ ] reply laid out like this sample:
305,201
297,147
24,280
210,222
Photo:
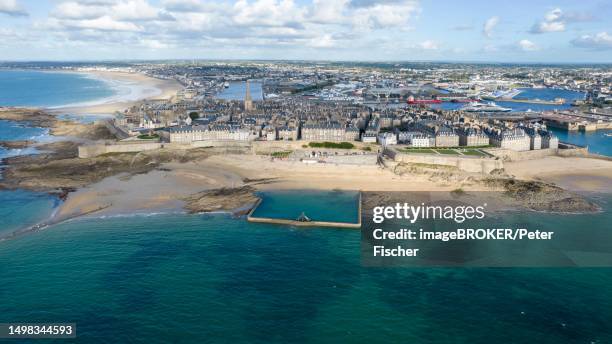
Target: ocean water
11,131
237,91
597,141
46,89
218,279
20,209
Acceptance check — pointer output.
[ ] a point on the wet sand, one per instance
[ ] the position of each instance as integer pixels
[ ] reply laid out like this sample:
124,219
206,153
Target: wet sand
165,188
157,191
574,174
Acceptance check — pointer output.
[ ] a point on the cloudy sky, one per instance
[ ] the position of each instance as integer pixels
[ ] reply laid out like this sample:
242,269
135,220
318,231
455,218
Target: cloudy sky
445,30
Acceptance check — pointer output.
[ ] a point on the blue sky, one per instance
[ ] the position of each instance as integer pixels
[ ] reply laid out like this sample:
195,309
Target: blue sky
500,31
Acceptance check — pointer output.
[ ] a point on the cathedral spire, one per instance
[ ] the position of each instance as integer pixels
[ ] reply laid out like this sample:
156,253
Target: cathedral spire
248,102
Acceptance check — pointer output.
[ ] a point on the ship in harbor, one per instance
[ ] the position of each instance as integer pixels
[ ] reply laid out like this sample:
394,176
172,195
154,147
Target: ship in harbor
413,101
485,107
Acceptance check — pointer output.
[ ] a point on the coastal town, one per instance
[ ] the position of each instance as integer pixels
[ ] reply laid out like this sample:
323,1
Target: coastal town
453,114
238,127
305,171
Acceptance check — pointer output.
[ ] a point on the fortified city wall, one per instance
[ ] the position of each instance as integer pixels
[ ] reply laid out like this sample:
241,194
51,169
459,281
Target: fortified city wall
464,163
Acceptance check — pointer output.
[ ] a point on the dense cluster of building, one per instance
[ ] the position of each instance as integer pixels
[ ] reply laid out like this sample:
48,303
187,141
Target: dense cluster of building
328,102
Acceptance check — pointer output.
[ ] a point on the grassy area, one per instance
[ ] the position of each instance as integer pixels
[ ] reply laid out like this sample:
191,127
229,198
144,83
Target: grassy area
474,152
282,154
447,151
148,137
419,150
326,144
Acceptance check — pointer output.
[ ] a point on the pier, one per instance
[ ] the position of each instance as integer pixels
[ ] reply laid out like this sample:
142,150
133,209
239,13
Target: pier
289,222
532,101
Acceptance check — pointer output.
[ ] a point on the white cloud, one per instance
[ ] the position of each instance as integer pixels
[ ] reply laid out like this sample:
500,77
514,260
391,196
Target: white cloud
267,13
231,24
328,11
325,41
527,45
384,15
135,10
553,22
12,8
104,23
553,15
428,45
75,10
489,25
554,26
556,21
599,41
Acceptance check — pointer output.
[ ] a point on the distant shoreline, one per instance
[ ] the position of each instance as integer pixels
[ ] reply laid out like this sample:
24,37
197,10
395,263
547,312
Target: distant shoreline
136,87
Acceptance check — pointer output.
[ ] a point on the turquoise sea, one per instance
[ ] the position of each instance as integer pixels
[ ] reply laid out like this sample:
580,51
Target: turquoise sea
219,279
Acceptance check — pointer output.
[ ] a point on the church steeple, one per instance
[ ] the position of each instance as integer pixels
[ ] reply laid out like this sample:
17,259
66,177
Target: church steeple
248,102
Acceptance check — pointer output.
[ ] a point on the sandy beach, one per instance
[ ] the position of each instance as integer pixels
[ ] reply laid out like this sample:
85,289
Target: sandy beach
160,190
574,174
131,88
164,188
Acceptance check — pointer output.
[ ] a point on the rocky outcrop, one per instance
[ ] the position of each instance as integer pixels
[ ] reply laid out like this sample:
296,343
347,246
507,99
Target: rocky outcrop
540,196
237,200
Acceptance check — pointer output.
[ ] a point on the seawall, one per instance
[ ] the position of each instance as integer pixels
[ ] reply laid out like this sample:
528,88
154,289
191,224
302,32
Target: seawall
464,163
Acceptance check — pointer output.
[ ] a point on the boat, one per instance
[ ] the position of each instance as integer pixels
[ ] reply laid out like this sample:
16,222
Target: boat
413,101
485,107
226,84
